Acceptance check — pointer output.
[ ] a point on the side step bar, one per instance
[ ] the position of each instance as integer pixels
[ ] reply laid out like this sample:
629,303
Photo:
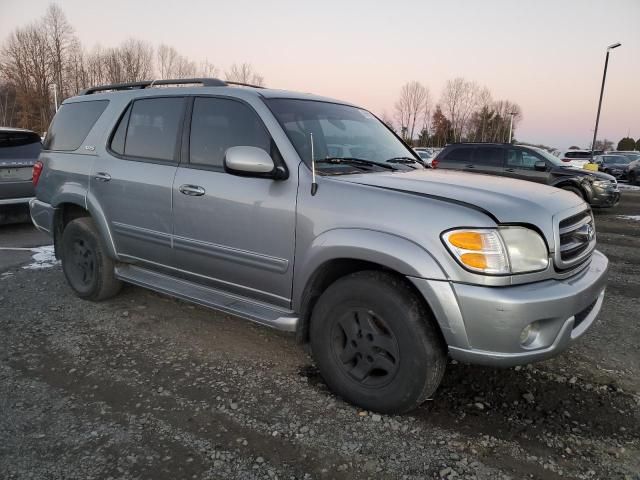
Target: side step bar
258,312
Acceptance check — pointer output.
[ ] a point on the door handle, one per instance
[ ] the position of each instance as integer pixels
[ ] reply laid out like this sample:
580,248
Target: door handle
192,190
102,177
509,170
470,166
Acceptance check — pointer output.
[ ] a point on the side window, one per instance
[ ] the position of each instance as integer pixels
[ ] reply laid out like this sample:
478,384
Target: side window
152,131
117,141
72,124
218,124
459,154
521,159
488,156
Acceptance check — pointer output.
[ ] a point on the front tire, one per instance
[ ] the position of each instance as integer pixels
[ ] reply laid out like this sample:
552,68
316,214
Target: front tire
85,263
375,343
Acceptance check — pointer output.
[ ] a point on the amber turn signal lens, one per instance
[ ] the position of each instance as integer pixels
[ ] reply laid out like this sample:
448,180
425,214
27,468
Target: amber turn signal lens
474,260
466,240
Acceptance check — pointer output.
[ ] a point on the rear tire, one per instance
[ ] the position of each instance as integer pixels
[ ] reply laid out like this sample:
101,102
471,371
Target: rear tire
376,344
632,178
574,190
85,263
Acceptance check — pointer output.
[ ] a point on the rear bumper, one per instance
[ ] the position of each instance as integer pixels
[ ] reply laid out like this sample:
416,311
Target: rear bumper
42,215
483,325
15,201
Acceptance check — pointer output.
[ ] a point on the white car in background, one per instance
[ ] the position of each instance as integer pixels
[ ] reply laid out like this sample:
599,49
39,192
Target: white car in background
574,158
425,154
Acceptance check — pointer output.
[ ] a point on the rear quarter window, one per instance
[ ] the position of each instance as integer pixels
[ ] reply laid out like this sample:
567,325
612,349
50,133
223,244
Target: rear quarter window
72,124
459,154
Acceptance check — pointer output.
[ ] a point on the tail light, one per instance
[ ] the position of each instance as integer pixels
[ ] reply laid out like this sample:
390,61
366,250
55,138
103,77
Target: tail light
566,160
434,163
37,170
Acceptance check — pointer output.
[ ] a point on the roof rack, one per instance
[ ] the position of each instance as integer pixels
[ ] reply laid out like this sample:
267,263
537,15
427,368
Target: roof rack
205,82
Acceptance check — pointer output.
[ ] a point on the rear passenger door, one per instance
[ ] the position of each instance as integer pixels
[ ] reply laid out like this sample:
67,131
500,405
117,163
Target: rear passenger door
132,181
232,232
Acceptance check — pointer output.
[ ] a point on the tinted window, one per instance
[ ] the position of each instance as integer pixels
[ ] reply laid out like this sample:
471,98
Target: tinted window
488,156
72,124
19,145
218,124
522,159
459,154
153,128
117,141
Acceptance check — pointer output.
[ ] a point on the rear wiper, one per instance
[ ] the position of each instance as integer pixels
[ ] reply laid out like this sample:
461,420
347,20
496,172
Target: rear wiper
355,161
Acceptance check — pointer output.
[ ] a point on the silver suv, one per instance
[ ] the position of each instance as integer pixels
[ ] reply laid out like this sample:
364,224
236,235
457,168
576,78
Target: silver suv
235,198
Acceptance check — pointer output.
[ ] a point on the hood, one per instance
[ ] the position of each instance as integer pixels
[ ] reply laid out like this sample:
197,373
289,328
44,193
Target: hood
504,199
581,172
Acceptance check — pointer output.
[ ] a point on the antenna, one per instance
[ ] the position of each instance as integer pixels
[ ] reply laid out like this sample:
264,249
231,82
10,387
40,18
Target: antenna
314,184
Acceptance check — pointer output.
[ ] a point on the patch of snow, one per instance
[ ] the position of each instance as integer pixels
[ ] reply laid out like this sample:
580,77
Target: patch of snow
6,275
630,217
43,257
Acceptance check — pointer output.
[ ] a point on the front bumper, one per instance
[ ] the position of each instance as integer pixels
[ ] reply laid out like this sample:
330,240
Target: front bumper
483,325
605,197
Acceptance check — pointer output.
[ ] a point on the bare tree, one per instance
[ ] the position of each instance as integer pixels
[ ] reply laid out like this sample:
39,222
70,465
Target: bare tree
387,120
410,108
166,59
244,73
60,40
460,98
208,70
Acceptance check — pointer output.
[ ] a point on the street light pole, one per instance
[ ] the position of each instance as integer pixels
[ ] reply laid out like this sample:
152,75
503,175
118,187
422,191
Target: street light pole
55,96
511,126
604,77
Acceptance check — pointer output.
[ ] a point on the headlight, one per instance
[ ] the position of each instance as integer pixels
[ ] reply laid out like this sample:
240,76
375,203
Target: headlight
498,251
603,183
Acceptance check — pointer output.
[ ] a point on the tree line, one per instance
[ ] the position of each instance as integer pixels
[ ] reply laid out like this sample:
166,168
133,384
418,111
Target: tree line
465,111
45,59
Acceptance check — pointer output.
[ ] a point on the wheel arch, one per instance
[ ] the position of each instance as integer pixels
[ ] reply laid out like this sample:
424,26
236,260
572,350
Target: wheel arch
338,253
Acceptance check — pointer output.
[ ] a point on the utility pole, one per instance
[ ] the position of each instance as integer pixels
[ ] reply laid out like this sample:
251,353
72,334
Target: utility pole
604,77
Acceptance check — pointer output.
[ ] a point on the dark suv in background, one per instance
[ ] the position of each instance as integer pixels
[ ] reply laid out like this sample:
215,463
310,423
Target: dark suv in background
19,150
532,164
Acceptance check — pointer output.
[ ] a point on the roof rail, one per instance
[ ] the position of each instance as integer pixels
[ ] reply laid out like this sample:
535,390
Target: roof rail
205,82
241,84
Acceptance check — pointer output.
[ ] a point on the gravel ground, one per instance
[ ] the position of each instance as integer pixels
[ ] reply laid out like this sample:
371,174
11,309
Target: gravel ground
145,386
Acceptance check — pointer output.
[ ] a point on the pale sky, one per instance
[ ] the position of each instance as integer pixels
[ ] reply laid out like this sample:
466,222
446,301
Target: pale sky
545,55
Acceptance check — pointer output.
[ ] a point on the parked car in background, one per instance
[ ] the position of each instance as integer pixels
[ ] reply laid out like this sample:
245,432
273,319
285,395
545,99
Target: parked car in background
613,164
632,172
228,197
574,158
425,154
19,150
532,164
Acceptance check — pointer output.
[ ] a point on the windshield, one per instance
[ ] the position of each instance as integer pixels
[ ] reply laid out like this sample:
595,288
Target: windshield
631,156
339,131
617,159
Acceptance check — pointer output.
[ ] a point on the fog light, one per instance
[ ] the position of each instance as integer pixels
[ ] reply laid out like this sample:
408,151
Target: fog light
529,334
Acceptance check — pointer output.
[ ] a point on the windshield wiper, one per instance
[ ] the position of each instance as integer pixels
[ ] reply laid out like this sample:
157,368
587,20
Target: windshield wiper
405,160
354,161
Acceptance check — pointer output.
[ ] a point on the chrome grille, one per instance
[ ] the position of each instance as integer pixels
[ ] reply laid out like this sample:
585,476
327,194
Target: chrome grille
576,239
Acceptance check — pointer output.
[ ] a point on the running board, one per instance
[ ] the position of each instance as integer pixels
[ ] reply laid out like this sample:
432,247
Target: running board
258,312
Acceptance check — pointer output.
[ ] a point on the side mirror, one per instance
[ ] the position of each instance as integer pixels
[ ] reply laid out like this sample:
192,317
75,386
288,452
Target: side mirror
540,166
251,162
